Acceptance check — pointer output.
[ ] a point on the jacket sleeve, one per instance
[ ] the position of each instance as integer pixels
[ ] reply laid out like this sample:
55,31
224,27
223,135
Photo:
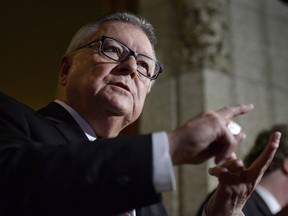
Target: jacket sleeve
43,174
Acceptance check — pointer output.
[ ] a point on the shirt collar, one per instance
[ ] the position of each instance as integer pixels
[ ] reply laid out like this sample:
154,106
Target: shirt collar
269,199
87,129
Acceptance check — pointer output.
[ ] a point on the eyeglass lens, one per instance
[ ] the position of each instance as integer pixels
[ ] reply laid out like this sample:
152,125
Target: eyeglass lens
118,52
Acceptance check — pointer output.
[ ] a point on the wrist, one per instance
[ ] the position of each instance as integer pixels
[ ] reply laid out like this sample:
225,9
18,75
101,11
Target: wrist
173,149
230,205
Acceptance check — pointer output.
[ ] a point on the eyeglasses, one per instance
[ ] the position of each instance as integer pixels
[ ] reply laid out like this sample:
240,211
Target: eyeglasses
117,51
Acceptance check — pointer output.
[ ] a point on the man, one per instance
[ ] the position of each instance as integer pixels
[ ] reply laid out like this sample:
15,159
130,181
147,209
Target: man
67,159
271,195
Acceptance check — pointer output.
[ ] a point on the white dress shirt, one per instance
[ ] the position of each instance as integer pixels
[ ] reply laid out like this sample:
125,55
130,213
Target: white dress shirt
269,199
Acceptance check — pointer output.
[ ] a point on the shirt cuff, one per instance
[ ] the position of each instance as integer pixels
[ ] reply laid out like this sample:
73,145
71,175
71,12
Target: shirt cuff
163,173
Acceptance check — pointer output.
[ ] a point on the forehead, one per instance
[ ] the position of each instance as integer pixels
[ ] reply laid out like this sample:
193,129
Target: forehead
130,35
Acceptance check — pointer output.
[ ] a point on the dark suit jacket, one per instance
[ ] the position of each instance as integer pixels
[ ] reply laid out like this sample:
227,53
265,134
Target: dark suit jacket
48,167
255,206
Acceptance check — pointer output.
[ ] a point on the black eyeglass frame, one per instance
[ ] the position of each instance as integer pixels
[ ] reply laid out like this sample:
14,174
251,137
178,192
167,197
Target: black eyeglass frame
131,53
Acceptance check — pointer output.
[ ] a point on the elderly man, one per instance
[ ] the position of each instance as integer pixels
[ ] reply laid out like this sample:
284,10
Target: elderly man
66,159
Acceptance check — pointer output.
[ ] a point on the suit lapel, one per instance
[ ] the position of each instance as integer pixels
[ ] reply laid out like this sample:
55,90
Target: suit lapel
262,206
63,121
255,205
55,112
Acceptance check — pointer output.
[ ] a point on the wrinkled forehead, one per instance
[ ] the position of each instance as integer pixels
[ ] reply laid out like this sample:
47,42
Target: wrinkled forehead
130,35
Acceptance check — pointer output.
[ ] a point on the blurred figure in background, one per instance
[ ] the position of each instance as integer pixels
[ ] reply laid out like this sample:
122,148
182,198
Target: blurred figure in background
271,195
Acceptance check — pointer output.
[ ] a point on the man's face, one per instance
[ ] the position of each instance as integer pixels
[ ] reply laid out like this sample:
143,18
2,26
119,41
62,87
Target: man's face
97,85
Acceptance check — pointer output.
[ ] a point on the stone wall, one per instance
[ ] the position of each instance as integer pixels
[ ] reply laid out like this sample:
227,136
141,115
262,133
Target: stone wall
249,65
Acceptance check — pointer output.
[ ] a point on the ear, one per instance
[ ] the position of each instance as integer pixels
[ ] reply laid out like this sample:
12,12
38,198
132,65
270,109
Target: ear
152,82
285,165
64,71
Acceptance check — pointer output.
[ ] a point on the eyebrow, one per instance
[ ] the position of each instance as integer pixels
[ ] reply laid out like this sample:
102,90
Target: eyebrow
153,56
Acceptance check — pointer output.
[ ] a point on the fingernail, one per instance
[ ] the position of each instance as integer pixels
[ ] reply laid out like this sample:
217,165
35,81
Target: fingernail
278,135
277,138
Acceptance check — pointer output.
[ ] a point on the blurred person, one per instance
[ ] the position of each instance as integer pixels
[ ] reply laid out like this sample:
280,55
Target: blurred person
271,194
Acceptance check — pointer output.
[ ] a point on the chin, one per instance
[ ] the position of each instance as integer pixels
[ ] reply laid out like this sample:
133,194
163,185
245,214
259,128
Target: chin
120,110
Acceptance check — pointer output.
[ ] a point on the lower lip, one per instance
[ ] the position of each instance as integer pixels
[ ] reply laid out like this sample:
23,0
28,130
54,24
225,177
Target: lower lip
117,86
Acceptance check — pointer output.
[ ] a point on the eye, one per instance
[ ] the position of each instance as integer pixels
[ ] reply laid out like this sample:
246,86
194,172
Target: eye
143,64
112,49
143,67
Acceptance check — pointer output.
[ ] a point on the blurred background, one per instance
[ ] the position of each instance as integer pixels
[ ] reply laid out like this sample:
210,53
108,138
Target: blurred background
215,53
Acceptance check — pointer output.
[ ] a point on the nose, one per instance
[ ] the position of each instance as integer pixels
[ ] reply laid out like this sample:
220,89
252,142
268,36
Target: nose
128,66
203,15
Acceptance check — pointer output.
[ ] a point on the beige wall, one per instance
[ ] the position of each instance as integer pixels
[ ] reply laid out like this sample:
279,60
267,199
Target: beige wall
257,73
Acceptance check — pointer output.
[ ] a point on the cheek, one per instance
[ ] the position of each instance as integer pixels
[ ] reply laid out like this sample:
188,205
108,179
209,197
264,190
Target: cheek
142,90
83,82
89,71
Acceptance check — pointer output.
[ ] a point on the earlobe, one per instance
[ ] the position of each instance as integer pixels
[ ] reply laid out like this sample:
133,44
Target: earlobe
65,67
151,83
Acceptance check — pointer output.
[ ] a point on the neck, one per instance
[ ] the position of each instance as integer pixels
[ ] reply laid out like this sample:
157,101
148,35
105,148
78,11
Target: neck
105,123
106,126
276,183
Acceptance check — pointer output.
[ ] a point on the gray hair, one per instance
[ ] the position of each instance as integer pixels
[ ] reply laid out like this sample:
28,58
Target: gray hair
91,28
261,142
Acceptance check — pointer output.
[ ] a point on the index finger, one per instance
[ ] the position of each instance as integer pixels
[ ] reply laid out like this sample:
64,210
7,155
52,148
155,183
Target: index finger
233,111
260,165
